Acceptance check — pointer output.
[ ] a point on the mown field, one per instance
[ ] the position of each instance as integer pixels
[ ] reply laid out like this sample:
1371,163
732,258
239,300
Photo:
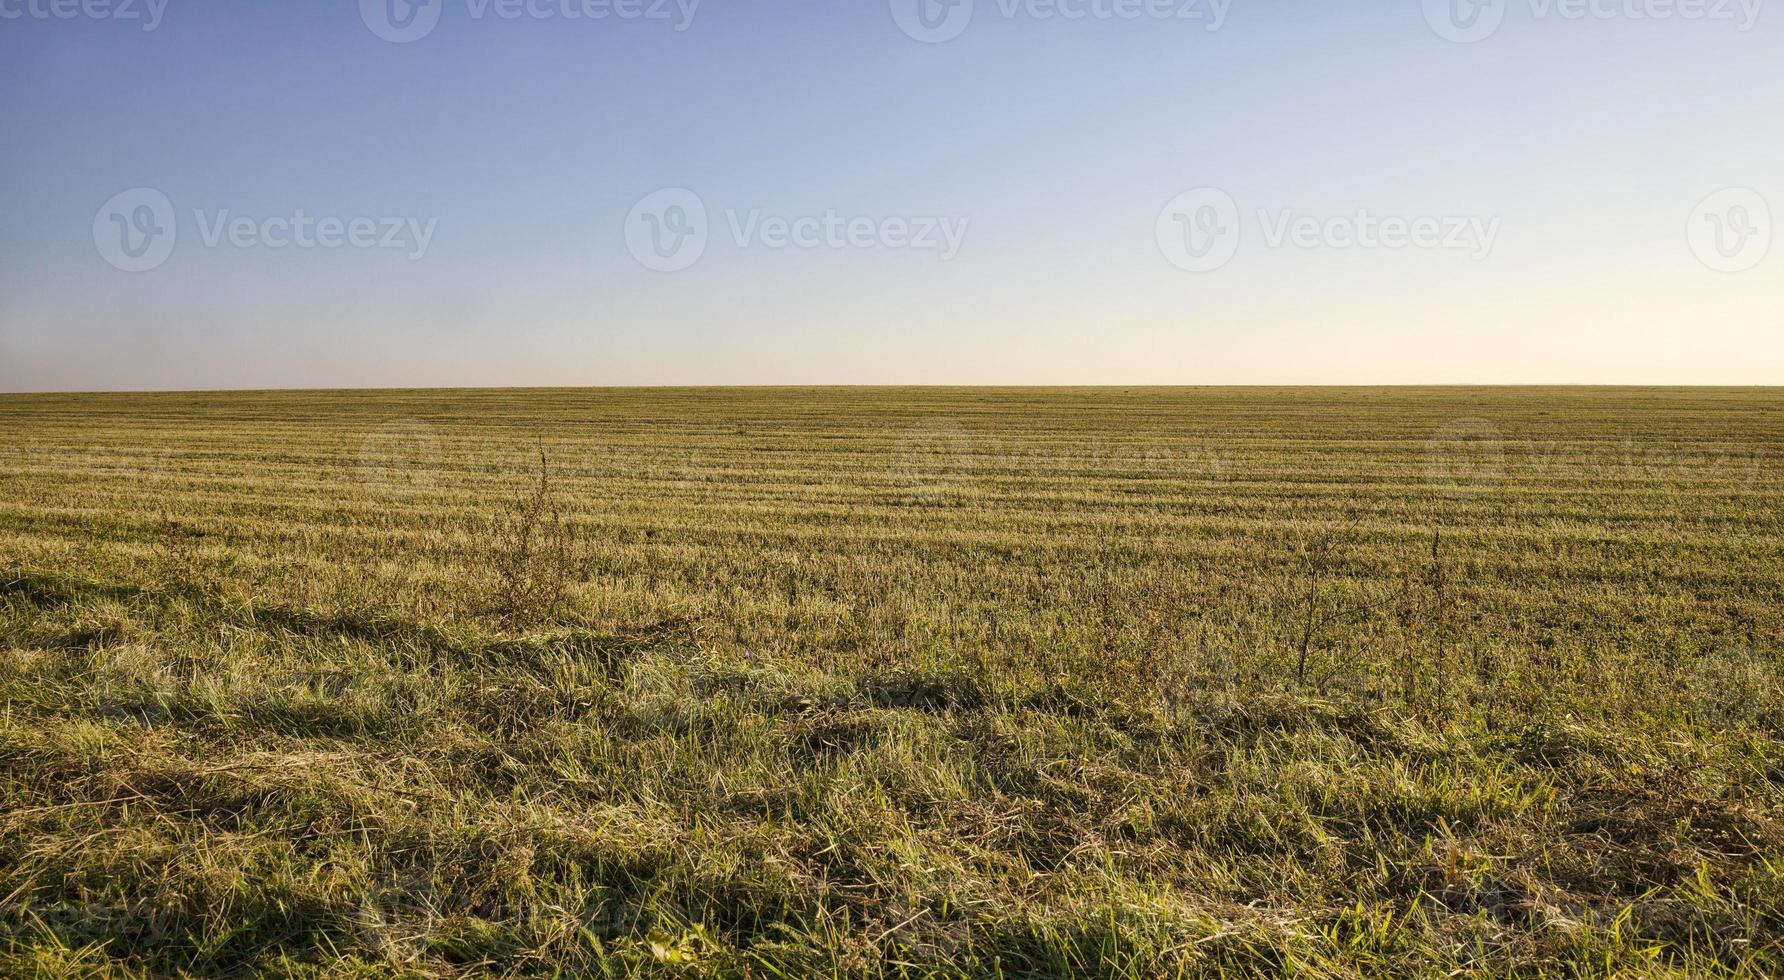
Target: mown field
814,682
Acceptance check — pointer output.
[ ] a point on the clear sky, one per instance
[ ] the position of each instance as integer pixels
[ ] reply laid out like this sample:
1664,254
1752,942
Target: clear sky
1150,191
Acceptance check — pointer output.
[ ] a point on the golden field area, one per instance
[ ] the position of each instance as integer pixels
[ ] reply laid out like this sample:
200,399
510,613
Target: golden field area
865,682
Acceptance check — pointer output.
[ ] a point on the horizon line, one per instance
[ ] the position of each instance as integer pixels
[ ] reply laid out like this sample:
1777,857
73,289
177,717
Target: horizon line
883,387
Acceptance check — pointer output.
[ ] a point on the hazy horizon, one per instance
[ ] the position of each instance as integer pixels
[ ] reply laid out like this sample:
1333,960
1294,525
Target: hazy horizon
609,193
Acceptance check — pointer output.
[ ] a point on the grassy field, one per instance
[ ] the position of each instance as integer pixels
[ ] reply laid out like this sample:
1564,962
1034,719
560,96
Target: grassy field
811,682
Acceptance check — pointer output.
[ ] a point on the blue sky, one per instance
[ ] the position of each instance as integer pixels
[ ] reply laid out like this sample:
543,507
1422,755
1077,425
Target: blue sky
995,207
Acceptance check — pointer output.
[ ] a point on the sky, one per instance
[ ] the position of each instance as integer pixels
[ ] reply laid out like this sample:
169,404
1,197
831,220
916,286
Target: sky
197,194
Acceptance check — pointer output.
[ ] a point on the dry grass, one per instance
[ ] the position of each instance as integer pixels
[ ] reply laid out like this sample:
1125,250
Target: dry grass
917,682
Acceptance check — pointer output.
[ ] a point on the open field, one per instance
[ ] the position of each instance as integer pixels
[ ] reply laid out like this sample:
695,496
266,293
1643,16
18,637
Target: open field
870,681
